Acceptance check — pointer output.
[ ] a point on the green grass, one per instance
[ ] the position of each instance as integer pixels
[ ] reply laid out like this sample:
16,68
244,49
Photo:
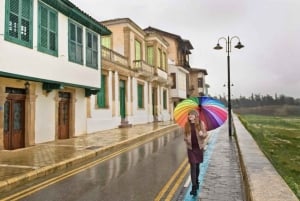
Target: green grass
279,139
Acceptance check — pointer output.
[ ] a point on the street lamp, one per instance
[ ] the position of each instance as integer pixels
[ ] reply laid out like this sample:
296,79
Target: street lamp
228,50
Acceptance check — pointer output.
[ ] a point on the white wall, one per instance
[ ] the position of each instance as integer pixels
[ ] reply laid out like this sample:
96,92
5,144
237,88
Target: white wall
80,112
44,116
101,118
40,65
180,91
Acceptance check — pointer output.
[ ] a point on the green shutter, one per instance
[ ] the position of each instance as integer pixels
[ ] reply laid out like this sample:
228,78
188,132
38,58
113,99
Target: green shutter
165,99
47,30
18,22
140,96
105,41
75,43
101,99
138,55
91,50
150,55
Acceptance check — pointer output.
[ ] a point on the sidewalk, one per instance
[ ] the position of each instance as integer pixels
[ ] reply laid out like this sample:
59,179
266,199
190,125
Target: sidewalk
235,169
20,166
220,174
223,178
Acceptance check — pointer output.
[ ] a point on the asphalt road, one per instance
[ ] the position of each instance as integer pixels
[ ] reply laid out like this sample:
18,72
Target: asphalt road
138,174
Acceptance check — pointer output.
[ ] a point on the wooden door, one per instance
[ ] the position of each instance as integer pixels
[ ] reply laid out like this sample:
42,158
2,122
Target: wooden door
154,101
64,115
14,122
122,99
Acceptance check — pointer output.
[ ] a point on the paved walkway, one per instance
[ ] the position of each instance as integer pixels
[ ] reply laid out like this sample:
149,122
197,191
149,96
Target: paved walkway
223,178
220,174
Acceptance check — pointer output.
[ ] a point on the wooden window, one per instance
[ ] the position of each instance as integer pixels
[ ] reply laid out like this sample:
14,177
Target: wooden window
140,89
18,22
47,30
165,99
106,41
159,58
164,57
75,43
150,55
200,82
173,77
138,50
91,49
101,96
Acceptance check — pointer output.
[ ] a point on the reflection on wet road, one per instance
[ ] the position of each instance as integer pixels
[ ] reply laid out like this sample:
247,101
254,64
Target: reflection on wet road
138,174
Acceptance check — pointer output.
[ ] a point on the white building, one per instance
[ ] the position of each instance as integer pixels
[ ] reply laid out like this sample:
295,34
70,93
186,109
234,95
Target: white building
49,63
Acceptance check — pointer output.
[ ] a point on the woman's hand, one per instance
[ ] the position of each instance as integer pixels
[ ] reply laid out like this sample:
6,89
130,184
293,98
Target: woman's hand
201,133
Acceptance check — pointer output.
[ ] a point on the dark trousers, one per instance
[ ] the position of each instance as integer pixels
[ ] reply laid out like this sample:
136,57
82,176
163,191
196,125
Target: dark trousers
195,170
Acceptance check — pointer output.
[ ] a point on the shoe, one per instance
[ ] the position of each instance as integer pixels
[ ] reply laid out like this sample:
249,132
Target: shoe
193,191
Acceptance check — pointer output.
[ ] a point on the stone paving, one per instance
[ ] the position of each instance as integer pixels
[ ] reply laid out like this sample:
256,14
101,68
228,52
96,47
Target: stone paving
223,178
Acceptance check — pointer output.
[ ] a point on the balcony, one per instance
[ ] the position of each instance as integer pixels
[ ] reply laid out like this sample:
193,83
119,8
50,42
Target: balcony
142,68
161,76
114,57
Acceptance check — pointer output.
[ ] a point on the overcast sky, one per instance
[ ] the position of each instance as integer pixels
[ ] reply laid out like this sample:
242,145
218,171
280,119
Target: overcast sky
269,29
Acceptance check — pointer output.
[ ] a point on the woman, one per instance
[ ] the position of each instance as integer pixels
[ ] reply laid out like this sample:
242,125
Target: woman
194,136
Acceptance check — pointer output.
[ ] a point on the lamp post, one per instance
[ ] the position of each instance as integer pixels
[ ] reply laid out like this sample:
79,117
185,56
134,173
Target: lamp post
228,50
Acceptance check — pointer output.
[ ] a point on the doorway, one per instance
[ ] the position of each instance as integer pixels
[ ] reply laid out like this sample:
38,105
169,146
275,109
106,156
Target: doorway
14,119
154,103
64,115
122,99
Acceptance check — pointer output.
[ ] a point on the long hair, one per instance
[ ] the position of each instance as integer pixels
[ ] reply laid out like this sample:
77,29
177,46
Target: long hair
187,127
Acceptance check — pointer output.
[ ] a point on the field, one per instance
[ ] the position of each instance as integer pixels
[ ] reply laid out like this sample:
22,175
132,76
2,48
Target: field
279,139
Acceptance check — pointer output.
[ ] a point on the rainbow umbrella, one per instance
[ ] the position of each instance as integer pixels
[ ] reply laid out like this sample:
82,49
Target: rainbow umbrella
211,111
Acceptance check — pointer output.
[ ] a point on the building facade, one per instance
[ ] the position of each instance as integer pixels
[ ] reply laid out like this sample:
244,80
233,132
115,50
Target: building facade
197,84
135,85
49,65
179,50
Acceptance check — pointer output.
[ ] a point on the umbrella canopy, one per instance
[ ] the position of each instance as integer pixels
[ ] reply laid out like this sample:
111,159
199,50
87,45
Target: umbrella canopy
211,111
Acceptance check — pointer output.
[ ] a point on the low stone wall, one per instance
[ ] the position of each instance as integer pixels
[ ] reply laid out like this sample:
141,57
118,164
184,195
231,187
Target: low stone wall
262,181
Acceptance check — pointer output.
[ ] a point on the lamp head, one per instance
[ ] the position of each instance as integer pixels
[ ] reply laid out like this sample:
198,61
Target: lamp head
239,45
218,47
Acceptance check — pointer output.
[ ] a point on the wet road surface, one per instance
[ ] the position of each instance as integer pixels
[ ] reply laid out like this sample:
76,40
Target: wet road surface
138,174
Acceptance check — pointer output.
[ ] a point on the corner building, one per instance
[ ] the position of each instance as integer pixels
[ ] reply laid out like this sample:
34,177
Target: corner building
49,66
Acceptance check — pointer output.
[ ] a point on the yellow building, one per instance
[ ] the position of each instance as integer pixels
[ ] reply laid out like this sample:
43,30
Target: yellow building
135,86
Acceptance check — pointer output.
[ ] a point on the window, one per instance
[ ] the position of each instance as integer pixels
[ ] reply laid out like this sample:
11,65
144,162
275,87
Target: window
47,30
164,61
140,89
173,77
200,82
150,57
138,50
101,96
91,49
18,22
165,99
106,41
159,58
75,43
